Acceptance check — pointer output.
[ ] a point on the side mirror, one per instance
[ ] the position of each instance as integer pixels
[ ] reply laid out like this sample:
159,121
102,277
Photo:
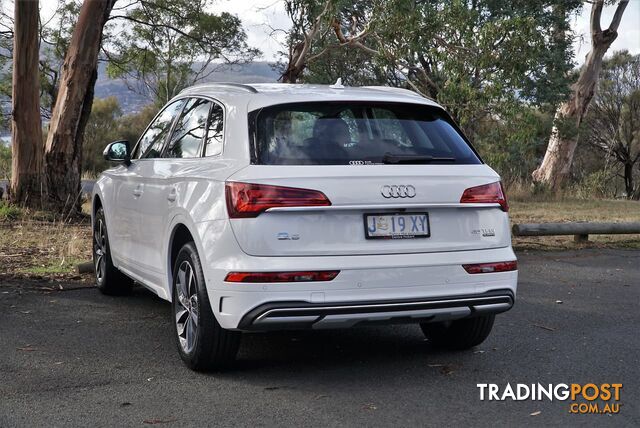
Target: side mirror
118,151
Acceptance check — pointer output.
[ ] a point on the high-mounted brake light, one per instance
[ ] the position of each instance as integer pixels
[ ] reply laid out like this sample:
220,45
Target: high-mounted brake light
492,193
249,200
303,276
491,267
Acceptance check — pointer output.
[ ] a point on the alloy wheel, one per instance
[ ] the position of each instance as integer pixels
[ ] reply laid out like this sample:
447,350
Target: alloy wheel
100,249
186,306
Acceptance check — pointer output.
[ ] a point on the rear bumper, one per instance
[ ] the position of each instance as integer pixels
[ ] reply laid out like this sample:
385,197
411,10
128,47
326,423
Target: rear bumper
363,280
304,315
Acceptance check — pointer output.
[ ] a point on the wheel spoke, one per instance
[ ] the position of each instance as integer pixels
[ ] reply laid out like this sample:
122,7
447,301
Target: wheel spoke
194,315
190,282
191,333
96,238
182,289
101,234
100,265
181,318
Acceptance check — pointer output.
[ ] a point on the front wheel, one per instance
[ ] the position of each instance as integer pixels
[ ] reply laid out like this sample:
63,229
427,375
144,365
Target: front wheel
202,343
459,334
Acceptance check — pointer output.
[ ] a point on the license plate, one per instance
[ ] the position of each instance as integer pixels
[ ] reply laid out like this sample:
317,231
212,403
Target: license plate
396,226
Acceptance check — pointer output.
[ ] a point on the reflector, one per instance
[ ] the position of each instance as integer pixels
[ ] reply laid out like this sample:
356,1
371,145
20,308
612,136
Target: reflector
302,276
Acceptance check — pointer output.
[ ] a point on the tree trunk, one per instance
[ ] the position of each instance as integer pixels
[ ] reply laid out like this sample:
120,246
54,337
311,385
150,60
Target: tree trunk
296,66
556,165
63,150
26,140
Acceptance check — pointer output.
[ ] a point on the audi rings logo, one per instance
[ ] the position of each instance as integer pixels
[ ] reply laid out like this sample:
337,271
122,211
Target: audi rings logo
400,191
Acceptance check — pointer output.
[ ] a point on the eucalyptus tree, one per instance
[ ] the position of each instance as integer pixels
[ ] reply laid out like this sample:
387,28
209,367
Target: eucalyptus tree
556,165
162,46
612,124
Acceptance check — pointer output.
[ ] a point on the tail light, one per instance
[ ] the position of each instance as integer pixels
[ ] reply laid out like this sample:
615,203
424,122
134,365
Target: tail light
303,276
249,200
492,193
491,267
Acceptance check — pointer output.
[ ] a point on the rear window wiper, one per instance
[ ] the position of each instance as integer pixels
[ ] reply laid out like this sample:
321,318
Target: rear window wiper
389,158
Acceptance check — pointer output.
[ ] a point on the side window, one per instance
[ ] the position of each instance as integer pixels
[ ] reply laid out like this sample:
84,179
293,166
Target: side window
152,141
187,137
215,131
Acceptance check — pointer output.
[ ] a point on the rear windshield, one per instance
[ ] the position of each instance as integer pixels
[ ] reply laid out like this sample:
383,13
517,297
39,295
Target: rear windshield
356,133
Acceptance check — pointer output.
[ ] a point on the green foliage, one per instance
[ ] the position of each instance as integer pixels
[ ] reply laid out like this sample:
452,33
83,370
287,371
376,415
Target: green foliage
107,124
594,185
474,56
5,162
9,212
101,129
511,141
167,45
131,127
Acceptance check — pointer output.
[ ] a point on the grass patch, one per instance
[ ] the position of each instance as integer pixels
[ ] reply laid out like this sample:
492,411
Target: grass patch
9,212
65,267
33,248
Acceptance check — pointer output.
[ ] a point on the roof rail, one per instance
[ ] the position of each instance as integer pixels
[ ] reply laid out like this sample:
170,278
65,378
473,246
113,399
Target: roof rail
232,85
397,90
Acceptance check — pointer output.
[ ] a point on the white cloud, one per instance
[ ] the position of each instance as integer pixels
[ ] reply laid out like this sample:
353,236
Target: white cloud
265,22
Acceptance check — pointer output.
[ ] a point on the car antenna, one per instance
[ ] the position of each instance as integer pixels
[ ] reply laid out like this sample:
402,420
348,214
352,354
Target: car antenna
338,84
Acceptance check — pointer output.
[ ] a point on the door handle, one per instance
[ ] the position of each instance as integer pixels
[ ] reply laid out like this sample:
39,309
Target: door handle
137,192
173,194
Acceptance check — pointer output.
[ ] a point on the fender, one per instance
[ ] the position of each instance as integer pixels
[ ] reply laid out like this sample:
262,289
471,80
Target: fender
179,219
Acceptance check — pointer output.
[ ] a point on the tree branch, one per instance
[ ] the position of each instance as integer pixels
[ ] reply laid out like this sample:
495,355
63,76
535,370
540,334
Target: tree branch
596,13
617,16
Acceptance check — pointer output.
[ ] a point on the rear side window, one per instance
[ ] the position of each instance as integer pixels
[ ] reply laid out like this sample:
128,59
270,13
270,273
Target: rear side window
152,141
215,130
188,134
339,133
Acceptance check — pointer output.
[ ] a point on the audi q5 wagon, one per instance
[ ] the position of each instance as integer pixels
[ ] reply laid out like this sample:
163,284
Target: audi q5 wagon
275,206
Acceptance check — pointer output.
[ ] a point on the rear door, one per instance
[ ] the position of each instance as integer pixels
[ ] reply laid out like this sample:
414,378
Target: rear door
394,176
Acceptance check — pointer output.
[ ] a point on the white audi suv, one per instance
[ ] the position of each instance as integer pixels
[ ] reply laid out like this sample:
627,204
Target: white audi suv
275,206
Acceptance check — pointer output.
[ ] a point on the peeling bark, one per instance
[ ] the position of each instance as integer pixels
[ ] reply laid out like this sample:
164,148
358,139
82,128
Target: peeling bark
26,136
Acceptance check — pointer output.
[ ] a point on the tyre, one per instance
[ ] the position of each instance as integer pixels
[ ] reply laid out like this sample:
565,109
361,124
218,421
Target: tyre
109,279
202,343
459,334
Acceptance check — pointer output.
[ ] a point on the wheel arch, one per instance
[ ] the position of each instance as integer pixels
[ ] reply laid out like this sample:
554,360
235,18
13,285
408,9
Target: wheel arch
95,205
180,234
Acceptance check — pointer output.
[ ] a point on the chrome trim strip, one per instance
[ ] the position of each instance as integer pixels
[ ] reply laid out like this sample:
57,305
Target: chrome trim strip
390,306
380,206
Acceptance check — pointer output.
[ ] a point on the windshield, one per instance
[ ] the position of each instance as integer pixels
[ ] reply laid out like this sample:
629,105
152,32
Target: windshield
356,133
